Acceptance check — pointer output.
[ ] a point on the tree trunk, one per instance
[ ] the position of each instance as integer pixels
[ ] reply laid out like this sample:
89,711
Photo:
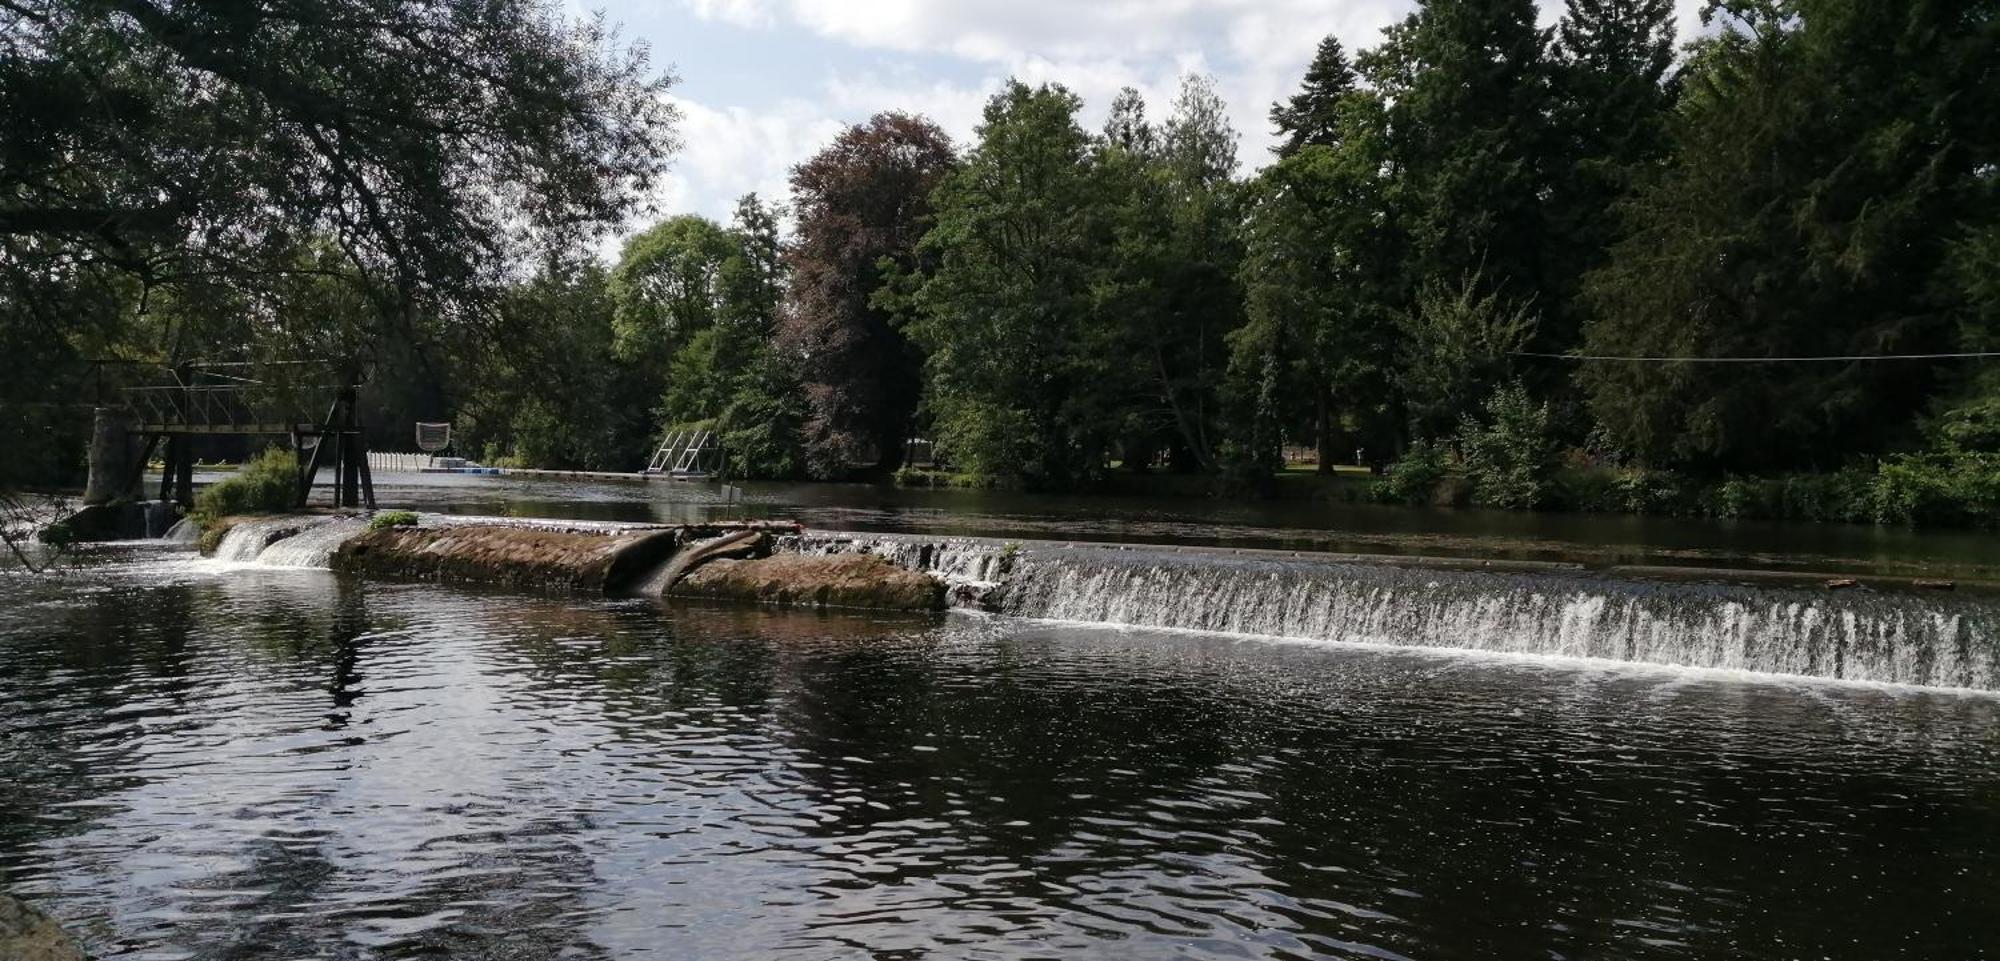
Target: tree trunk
1323,426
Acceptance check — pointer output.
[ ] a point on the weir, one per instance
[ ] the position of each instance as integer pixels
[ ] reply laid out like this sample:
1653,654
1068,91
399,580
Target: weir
1891,636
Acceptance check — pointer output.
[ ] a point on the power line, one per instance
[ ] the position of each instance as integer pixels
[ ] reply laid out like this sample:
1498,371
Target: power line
1842,359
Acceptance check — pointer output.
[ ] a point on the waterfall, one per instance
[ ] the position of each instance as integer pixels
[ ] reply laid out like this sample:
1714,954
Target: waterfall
290,541
313,546
971,568
1894,637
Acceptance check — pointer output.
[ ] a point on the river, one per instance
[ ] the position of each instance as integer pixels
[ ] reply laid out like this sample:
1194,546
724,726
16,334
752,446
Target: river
227,760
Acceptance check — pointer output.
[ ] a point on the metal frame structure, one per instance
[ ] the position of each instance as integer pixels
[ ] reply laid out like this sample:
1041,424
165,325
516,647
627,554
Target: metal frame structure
197,405
688,453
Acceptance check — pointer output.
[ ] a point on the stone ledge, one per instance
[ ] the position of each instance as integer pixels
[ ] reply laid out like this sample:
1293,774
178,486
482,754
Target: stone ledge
861,581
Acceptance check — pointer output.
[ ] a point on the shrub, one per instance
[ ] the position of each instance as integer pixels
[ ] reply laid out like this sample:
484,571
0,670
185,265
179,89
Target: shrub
1510,458
388,519
268,484
1948,488
1415,477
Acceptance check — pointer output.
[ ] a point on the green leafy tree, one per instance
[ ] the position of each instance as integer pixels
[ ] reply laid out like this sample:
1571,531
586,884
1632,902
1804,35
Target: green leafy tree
1613,84
1467,83
1167,290
1005,313
1317,347
199,151
1458,343
1512,453
555,393
668,288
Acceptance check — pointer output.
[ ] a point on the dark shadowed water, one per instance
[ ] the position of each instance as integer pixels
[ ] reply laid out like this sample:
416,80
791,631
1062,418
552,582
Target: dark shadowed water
257,763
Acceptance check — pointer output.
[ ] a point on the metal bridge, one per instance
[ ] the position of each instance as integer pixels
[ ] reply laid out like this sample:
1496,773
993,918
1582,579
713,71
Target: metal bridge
310,403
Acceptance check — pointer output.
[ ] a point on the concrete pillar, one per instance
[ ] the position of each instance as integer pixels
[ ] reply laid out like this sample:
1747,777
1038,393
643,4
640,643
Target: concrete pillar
112,450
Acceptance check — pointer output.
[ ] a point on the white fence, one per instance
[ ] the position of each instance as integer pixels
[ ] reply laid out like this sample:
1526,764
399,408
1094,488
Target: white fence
381,462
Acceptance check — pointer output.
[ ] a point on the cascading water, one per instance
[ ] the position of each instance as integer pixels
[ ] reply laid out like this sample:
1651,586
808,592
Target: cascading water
1887,637
288,541
971,568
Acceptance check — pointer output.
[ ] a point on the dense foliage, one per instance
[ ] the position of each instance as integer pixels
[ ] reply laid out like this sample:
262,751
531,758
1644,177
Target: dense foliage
213,180
1490,261
267,484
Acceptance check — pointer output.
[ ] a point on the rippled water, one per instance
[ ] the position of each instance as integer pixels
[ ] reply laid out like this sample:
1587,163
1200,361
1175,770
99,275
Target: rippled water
230,763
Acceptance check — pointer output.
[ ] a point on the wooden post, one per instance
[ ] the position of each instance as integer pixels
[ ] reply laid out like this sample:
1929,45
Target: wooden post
349,477
168,473
184,484
367,470
136,482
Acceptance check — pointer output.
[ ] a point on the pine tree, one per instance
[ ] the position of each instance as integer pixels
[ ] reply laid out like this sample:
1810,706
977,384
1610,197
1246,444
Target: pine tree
1613,87
1826,157
1126,127
1312,116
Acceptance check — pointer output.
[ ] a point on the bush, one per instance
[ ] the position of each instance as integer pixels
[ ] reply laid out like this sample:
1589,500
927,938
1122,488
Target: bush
1510,458
268,484
388,519
1949,488
1415,477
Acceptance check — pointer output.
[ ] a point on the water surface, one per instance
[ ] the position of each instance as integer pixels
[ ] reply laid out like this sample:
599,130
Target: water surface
251,763
1594,540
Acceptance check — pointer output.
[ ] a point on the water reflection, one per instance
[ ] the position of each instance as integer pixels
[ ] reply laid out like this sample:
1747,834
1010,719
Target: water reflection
282,763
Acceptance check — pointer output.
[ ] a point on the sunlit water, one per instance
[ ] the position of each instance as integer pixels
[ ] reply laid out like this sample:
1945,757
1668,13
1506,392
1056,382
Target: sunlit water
211,761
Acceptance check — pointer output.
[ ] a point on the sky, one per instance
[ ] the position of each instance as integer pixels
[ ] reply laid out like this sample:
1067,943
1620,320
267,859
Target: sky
764,84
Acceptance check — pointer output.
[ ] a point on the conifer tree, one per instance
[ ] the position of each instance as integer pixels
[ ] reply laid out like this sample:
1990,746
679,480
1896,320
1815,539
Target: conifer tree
1312,116
1468,86
1613,87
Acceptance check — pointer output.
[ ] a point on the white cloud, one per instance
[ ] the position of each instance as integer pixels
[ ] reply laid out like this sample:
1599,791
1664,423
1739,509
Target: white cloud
743,13
728,152
1255,49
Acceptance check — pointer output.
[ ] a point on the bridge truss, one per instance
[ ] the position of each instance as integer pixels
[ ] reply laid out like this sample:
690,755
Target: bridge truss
310,404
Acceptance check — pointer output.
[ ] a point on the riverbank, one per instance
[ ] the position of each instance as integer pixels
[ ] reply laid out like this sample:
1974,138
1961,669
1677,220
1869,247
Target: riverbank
1948,493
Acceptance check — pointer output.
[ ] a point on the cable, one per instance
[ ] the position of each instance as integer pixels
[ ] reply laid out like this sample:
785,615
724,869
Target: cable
1851,358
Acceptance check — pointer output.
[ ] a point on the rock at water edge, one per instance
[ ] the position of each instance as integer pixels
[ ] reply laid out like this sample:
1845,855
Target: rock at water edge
27,934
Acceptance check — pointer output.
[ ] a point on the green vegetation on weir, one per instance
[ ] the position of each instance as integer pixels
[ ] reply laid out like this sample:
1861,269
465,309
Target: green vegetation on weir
268,484
1469,235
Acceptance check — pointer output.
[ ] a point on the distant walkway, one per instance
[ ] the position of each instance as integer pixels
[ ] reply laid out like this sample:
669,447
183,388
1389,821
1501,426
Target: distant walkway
389,463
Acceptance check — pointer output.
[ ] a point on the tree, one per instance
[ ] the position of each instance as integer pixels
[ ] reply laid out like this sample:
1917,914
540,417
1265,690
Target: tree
1828,158
1167,290
668,287
861,203
1312,116
1003,308
1318,276
697,306
1613,88
554,393
200,149
1467,83
1457,347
